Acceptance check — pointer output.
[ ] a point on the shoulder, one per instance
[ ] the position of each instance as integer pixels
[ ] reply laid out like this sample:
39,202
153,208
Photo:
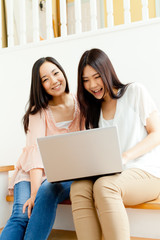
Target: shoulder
135,90
135,87
133,94
37,117
138,97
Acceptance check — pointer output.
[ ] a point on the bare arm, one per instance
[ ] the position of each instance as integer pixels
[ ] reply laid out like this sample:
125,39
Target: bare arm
35,177
151,141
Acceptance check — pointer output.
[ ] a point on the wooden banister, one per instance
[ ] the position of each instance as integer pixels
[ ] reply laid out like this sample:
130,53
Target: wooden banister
6,168
9,198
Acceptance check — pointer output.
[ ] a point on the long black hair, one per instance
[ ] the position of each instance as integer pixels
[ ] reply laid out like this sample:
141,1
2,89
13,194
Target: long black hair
90,106
39,98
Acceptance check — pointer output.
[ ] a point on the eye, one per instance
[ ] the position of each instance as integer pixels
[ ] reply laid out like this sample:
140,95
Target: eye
85,80
98,76
44,80
55,73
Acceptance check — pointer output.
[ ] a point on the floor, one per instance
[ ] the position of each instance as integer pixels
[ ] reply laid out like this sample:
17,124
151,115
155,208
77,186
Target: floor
70,235
62,235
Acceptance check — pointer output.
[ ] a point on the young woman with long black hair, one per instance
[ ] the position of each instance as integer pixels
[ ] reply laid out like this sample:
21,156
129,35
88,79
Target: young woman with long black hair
98,206
51,110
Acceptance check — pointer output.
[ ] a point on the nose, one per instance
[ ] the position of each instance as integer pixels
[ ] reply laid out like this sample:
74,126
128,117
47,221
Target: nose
93,84
53,80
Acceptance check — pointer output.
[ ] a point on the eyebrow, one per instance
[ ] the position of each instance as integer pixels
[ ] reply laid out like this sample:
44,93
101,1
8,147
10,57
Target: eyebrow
92,75
51,72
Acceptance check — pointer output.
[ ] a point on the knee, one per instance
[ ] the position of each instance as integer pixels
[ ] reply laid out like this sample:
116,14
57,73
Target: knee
81,190
104,187
98,187
18,215
46,191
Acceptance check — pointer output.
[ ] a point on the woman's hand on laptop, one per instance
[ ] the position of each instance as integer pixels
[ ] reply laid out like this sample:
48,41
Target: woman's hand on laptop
125,158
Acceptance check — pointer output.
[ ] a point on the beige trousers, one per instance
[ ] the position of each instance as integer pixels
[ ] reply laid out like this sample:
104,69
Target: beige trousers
98,207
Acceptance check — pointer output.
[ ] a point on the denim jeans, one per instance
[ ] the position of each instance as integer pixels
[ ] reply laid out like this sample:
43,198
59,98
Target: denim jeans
40,224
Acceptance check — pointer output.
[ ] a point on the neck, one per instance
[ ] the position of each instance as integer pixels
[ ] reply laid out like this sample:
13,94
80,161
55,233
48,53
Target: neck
107,97
59,100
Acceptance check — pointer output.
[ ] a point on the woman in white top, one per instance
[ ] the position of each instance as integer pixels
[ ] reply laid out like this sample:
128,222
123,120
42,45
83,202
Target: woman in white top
105,101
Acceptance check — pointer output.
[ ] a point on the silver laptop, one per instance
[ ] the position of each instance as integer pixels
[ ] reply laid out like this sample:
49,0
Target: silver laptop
81,154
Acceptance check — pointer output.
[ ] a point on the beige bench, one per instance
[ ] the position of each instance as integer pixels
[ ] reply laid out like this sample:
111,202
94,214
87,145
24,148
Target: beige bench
155,204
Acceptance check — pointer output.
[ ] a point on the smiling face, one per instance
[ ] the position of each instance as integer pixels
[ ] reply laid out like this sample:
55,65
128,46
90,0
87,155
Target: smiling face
92,82
52,79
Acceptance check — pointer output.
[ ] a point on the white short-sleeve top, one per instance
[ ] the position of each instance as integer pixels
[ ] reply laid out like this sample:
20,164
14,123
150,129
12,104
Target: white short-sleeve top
132,110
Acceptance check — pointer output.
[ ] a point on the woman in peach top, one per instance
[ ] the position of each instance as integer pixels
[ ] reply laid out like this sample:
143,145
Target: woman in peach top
51,110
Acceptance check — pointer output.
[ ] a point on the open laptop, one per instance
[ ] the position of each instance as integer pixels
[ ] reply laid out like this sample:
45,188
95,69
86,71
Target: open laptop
81,154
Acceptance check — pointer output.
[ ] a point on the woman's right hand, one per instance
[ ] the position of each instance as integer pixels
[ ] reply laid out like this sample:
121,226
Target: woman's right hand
30,204
36,177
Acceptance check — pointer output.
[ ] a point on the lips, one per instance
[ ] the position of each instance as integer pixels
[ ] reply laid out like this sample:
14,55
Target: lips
97,91
56,87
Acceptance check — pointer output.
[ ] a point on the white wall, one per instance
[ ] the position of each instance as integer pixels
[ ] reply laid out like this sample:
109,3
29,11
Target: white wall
134,51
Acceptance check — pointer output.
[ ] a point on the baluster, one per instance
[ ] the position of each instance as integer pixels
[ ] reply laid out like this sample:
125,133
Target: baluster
22,21
49,25
86,20
127,13
145,13
110,18
157,3
0,25
35,17
71,23
93,10
63,17
10,26
78,22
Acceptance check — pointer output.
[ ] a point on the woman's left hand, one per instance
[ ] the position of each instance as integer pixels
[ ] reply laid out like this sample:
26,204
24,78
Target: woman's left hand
30,204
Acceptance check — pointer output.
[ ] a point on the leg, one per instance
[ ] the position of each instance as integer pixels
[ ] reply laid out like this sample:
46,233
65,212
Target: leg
43,215
84,213
131,187
16,225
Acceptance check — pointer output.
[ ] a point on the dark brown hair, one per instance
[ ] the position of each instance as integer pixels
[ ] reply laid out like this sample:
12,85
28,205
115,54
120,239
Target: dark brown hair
90,106
38,98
